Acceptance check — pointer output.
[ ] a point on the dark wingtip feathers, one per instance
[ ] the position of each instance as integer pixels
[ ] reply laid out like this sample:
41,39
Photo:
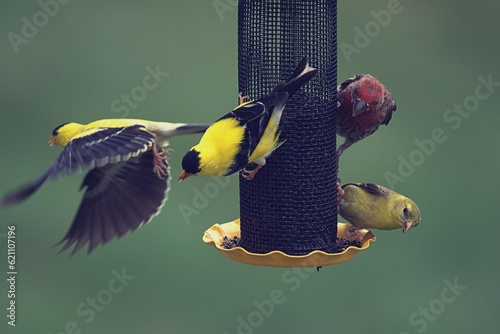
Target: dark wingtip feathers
302,74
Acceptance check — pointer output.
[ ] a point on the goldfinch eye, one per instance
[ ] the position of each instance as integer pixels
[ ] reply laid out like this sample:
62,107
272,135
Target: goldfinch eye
406,212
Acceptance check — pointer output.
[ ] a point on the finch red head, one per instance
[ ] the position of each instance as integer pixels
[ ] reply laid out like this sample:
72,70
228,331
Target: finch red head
363,105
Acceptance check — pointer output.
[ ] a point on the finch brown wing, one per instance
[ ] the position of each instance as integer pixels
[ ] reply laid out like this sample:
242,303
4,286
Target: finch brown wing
369,187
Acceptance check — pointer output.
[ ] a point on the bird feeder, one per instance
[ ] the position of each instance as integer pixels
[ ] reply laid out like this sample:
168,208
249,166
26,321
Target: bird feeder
288,212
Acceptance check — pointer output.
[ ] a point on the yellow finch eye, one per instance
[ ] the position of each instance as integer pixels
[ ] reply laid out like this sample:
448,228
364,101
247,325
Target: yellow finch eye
406,212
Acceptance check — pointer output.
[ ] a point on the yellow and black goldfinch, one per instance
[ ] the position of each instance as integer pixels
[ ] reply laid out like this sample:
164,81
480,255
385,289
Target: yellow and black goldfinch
370,206
128,179
248,134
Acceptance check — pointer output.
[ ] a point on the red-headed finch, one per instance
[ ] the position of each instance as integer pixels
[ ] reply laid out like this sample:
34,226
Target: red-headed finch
363,105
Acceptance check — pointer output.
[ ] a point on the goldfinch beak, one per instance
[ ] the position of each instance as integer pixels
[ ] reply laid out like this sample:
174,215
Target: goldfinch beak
52,141
407,225
184,175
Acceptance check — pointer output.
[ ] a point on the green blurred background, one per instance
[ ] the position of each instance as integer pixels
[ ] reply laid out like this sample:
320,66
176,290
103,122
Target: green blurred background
88,54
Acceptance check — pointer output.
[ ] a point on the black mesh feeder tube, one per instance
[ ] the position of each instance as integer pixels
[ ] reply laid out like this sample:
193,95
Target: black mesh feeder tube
288,212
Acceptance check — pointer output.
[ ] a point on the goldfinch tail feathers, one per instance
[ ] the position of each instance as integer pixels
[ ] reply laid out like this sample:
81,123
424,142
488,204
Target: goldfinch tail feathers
263,145
303,73
278,97
176,129
276,100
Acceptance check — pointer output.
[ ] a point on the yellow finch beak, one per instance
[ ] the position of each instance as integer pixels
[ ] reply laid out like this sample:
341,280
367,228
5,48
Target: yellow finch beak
407,225
184,175
52,141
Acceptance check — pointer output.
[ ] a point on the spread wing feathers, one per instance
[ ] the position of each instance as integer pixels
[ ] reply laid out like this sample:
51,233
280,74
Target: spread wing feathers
118,198
369,187
96,147
23,192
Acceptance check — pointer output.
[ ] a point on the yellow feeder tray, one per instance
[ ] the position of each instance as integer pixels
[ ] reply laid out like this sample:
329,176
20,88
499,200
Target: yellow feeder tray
215,237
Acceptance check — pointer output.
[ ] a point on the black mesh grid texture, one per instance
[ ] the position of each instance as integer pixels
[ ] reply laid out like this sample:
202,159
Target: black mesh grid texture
291,204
